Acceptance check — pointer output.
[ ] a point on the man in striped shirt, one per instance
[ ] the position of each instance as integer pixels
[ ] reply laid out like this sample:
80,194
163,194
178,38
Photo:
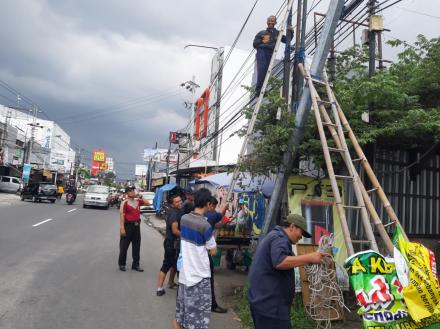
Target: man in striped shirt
193,304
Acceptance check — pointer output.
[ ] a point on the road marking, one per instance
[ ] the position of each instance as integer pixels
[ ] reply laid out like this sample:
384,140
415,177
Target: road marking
44,221
72,210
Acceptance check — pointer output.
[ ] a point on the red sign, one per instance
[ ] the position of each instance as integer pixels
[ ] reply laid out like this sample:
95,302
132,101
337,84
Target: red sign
173,137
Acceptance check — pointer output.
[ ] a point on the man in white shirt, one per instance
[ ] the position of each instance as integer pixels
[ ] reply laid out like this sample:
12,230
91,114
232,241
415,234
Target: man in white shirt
193,304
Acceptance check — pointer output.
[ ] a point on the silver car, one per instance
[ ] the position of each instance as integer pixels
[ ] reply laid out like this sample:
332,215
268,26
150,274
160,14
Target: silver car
9,184
148,196
97,196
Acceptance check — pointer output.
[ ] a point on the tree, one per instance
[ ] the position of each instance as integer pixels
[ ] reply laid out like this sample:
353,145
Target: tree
272,130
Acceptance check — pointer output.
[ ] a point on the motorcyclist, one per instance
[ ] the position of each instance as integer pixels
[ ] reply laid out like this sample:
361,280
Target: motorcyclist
71,189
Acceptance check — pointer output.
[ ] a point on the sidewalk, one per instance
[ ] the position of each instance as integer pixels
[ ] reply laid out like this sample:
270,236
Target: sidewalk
226,282
7,199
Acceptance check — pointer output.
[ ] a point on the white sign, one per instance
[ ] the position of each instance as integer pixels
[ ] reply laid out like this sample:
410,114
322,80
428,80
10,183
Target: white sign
141,170
164,156
153,154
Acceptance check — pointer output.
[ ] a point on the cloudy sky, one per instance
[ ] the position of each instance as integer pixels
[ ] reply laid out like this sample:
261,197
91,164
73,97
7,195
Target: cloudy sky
109,71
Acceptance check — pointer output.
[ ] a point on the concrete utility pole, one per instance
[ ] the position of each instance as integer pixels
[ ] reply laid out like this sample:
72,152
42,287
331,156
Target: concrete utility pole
371,42
318,63
287,51
150,170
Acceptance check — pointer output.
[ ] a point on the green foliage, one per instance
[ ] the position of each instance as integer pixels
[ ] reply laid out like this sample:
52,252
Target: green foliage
404,98
272,130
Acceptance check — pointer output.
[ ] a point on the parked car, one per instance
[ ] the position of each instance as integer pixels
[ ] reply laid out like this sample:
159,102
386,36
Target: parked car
98,196
9,184
149,196
39,191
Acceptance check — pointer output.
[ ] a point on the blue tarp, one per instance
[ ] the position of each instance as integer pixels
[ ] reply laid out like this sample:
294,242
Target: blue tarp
246,183
158,197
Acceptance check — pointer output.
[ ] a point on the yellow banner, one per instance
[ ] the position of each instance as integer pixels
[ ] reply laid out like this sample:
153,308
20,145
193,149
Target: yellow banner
422,295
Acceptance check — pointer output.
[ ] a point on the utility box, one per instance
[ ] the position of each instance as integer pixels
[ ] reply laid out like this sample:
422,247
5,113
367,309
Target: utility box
376,23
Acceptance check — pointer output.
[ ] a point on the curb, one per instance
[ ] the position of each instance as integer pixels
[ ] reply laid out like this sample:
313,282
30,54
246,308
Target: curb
151,224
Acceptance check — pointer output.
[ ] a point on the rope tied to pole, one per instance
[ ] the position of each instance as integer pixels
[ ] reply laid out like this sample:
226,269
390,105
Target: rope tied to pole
326,300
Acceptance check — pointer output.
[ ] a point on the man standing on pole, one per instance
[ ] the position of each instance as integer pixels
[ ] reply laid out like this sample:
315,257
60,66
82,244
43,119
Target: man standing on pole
264,43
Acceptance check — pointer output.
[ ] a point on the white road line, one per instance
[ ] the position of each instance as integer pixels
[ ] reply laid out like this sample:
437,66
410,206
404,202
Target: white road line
44,221
72,210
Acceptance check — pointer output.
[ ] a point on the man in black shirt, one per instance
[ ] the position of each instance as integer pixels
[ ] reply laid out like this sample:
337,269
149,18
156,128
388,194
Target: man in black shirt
170,244
272,275
264,44
188,205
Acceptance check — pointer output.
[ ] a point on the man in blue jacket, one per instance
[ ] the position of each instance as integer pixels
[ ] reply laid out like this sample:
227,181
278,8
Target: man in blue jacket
272,275
264,43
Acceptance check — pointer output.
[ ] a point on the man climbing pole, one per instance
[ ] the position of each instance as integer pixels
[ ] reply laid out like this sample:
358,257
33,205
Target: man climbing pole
264,43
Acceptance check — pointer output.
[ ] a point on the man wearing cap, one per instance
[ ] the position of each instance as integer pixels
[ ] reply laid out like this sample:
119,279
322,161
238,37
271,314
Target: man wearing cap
129,227
272,276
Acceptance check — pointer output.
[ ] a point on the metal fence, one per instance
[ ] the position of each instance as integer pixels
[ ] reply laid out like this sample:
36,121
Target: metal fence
411,180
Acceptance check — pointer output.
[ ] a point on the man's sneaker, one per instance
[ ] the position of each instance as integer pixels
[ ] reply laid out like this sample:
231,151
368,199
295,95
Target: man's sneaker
122,268
219,309
137,268
160,292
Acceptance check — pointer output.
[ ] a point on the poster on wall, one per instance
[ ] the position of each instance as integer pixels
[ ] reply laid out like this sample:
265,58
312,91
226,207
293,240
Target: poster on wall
313,199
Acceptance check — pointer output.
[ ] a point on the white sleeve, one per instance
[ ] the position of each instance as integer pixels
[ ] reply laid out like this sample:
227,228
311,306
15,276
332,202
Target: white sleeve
211,244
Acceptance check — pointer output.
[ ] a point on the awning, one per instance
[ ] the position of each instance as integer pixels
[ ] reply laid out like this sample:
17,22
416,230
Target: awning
158,196
245,183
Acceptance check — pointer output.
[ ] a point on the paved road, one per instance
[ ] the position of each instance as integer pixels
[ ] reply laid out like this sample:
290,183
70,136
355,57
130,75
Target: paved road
59,271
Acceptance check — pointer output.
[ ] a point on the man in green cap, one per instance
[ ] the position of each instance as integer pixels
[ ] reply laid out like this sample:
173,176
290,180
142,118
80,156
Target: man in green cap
272,276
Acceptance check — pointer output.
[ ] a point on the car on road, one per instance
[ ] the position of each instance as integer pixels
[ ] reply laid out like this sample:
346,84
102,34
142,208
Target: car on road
9,184
148,196
38,192
97,196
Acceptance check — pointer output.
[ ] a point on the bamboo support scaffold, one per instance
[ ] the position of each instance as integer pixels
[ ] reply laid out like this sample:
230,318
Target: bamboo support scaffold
338,128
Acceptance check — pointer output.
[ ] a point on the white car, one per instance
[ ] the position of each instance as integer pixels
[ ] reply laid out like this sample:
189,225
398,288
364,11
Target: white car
98,196
148,196
9,184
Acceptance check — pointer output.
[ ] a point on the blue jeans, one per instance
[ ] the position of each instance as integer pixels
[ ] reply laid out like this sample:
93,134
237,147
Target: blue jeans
263,322
263,56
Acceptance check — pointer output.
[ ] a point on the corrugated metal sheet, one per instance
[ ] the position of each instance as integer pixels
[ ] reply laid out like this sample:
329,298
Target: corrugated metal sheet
416,202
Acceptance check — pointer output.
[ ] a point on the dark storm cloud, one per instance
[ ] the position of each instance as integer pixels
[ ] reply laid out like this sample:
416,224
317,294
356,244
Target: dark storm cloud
79,57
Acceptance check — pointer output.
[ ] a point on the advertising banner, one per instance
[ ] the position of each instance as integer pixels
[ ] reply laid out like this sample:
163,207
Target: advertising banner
314,200
98,155
153,154
26,171
419,274
380,293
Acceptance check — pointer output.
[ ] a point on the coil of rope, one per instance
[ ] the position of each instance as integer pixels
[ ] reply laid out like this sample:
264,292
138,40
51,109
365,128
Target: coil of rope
326,300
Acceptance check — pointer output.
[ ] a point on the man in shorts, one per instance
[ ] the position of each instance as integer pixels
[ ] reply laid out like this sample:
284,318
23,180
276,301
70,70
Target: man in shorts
193,303
171,244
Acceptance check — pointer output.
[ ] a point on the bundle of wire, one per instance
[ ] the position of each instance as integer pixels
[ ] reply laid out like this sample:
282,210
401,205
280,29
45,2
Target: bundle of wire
326,298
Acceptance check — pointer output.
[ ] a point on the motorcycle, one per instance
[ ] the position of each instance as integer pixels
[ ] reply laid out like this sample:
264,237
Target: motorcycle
70,198
115,201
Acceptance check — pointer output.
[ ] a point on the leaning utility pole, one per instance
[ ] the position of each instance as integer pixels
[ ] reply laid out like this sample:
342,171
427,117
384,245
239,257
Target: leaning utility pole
302,113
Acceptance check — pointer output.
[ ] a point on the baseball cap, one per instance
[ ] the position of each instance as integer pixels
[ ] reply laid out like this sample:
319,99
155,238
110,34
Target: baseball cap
300,222
129,188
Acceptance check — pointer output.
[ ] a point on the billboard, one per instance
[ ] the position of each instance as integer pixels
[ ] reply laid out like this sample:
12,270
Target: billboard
110,164
153,154
141,170
98,155
98,161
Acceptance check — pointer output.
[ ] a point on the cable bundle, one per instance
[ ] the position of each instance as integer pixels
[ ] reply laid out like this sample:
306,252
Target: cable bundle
326,298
